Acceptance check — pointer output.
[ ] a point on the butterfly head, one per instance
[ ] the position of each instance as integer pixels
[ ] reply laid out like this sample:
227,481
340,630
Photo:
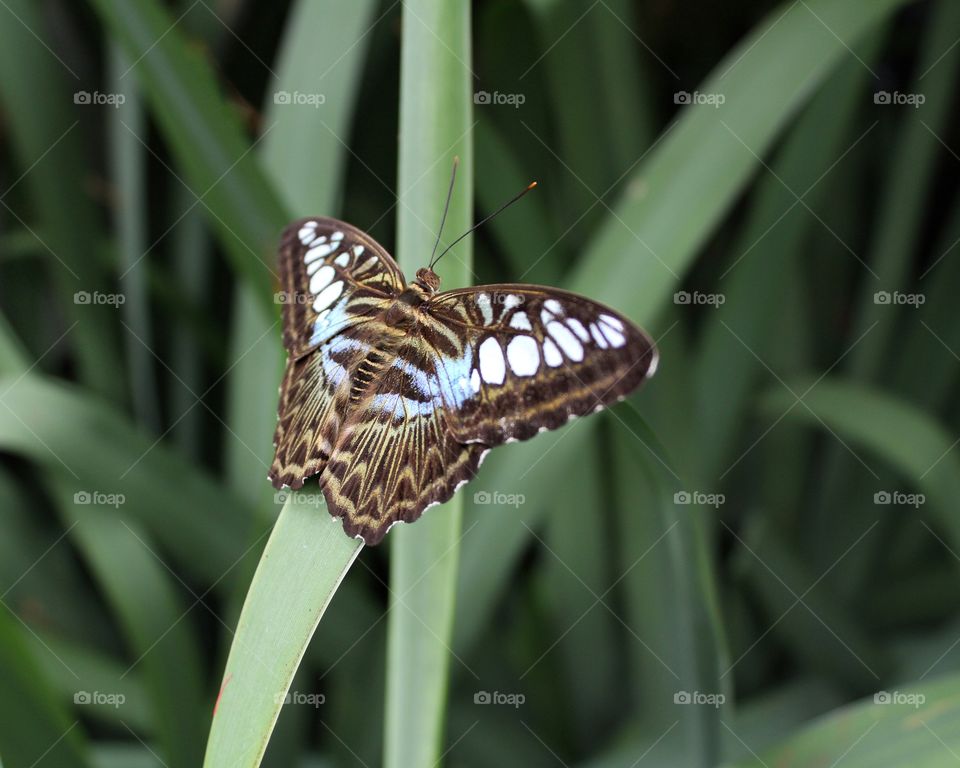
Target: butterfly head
427,280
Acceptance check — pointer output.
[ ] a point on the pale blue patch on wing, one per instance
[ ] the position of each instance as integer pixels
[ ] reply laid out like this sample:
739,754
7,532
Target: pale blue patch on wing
422,380
401,407
331,321
335,372
454,376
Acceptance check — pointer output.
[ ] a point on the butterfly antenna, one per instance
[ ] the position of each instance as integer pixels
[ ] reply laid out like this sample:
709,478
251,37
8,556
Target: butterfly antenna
483,221
446,206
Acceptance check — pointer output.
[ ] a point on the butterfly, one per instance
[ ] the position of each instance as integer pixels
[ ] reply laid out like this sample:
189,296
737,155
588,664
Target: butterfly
394,393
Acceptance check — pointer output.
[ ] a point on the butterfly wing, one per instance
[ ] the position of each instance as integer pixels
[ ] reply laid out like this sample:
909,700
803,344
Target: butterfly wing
332,276
335,279
395,455
529,359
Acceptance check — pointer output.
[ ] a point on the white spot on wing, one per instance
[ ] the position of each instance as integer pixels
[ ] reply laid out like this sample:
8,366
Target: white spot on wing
329,295
321,279
475,380
551,354
342,260
521,321
511,301
598,337
614,336
612,321
492,366
523,355
307,232
486,309
553,306
318,251
566,340
357,250
578,328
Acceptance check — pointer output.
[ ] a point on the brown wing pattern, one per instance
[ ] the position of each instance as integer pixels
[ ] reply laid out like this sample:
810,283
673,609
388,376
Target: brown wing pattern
314,399
335,280
332,275
533,359
395,455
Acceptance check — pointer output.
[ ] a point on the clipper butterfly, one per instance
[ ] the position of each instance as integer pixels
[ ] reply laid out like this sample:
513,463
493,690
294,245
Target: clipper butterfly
394,392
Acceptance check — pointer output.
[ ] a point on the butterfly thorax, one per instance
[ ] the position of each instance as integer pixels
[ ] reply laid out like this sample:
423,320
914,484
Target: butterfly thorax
420,291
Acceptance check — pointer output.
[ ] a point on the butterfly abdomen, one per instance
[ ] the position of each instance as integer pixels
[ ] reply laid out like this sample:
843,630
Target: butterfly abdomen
366,373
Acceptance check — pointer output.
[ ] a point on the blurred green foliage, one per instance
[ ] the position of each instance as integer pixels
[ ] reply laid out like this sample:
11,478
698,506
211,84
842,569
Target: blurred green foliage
767,574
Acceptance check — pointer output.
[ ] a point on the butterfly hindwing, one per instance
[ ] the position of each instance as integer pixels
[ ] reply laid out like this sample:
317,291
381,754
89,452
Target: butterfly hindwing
314,398
332,276
396,455
532,358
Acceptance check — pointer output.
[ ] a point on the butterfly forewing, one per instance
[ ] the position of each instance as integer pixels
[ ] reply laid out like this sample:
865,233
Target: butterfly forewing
532,358
332,276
